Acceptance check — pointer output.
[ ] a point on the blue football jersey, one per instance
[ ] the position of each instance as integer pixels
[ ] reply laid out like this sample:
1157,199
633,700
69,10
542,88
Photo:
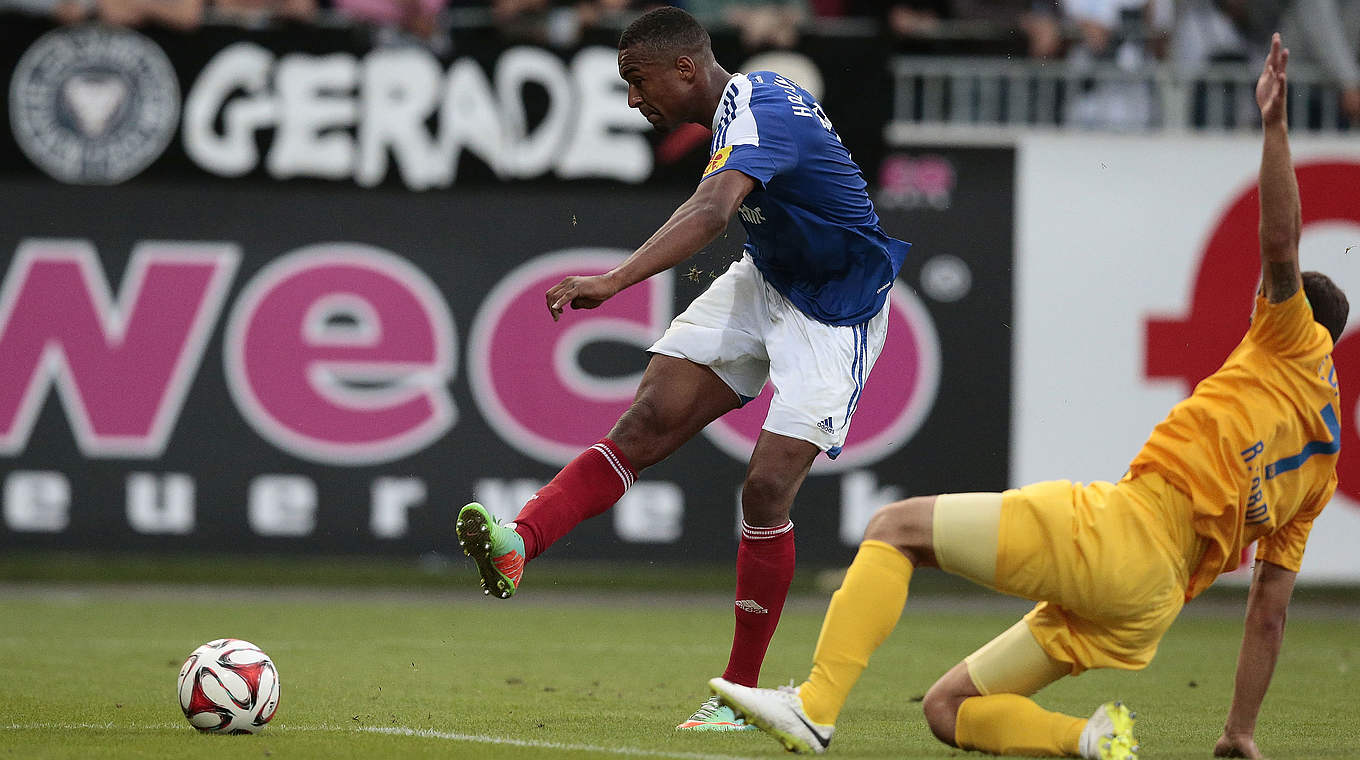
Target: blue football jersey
810,226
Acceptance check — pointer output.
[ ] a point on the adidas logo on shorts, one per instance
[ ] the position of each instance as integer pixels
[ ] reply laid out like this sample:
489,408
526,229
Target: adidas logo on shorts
827,426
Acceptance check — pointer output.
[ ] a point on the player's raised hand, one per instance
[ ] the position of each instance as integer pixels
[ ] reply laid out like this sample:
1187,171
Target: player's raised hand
1271,88
580,292
1238,745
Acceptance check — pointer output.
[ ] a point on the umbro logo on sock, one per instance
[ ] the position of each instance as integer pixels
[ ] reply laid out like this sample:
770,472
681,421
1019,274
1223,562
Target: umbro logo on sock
827,426
751,606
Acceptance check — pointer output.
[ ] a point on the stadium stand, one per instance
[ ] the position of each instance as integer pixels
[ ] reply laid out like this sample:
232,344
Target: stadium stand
964,70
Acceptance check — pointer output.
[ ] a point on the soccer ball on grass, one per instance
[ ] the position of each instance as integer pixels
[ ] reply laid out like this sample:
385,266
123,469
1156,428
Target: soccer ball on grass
228,686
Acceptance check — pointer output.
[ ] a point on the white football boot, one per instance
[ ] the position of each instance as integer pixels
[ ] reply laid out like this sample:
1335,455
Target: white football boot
777,712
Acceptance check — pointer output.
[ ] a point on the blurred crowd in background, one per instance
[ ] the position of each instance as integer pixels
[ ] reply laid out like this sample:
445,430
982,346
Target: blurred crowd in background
1191,34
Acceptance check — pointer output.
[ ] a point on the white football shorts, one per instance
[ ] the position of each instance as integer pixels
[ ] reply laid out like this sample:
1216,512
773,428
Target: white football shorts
747,332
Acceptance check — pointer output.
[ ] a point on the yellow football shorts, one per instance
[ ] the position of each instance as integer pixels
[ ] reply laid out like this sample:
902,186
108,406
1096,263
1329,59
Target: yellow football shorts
1108,563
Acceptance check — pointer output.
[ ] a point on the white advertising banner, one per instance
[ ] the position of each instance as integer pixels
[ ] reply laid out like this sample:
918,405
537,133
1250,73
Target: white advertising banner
1136,263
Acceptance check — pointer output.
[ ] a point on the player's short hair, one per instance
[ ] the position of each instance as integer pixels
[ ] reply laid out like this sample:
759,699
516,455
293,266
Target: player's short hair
666,30
1330,307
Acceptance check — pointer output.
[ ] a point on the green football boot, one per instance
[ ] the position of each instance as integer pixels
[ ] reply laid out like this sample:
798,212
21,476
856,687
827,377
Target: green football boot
497,549
713,715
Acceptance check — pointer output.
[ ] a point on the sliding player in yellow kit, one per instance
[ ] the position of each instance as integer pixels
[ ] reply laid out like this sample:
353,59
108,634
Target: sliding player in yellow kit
1250,456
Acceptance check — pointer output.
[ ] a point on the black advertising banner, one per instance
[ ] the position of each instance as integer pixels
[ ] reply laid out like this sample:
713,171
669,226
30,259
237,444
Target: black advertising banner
296,104
205,366
277,290
101,105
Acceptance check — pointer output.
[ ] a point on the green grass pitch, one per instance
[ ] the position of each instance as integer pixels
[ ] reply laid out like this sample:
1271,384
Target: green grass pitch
89,672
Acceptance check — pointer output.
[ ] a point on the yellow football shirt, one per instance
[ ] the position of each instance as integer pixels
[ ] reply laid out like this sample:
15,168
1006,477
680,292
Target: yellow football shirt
1255,446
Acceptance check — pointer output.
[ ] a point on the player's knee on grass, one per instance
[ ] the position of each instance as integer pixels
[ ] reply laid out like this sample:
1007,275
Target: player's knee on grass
906,525
941,703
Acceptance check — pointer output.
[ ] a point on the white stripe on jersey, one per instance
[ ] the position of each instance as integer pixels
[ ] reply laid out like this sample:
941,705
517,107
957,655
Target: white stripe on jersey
733,123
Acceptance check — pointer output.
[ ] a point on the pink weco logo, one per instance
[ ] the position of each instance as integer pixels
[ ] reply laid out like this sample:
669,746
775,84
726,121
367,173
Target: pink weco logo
342,353
335,353
121,366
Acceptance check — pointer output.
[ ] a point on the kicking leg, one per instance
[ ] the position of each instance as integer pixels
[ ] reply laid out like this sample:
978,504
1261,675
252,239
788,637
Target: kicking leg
675,400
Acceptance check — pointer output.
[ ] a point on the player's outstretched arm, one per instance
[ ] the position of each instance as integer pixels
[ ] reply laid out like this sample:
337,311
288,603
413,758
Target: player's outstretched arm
1263,633
1281,218
694,225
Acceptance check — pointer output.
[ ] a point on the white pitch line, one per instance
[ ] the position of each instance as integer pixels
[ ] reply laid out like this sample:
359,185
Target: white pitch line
629,751
106,726
424,733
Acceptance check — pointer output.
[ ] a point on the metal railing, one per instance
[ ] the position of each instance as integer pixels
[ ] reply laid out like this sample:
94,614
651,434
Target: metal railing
991,101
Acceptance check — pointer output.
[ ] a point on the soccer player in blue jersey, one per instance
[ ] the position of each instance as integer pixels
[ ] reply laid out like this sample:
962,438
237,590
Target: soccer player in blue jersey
806,307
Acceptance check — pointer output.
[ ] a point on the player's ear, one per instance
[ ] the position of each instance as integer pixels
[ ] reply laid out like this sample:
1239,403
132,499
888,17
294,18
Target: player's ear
684,65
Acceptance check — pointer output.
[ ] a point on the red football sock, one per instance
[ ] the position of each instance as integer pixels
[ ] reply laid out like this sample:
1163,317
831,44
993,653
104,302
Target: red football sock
765,561
587,486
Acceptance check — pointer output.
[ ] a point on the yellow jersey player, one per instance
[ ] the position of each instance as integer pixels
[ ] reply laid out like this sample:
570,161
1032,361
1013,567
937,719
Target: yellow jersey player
1250,456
